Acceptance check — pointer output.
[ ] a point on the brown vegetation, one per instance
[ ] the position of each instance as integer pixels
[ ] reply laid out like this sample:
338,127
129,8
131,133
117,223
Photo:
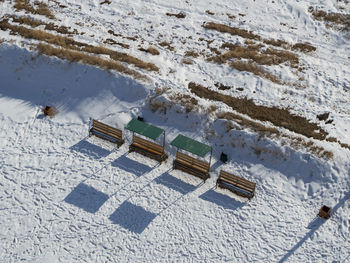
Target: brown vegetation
187,61
277,43
255,69
185,100
42,8
209,12
191,53
120,35
179,15
76,56
230,16
167,45
231,30
105,2
48,26
221,86
113,42
252,52
278,117
263,130
151,50
118,56
304,47
336,20
66,42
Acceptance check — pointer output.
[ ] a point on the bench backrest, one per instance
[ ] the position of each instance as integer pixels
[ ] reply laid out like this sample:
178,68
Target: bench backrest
192,161
237,181
147,144
99,126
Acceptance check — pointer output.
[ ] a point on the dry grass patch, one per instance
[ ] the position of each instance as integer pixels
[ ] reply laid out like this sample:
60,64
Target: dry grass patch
152,50
166,45
209,12
187,101
252,52
42,8
191,53
255,69
120,35
336,20
118,56
113,42
221,86
179,15
230,16
24,5
187,61
40,35
66,42
231,30
105,2
277,43
48,26
263,130
303,47
278,117
76,56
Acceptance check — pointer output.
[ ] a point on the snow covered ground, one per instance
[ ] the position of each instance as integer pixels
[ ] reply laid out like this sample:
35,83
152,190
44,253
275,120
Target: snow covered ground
67,197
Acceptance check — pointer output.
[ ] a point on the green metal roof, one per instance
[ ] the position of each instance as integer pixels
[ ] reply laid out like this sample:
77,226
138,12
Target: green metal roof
191,145
144,129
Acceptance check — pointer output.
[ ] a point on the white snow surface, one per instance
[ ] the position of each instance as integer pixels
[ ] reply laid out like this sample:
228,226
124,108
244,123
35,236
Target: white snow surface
67,197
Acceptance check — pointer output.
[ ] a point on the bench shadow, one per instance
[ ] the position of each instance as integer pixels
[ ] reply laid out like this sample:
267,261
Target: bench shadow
132,217
131,166
92,150
314,225
174,183
86,198
221,200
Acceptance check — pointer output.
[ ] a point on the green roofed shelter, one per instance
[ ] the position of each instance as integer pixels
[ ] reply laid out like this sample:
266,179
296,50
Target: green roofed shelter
144,129
190,145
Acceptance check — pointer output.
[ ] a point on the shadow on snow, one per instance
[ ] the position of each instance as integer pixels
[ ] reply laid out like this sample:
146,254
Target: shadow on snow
92,150
314,225
131,166
132,217
86,198
174,183
221,200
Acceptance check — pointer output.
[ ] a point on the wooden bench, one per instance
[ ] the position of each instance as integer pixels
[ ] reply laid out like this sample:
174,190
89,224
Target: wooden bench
106,132
148,148
191,165
236,184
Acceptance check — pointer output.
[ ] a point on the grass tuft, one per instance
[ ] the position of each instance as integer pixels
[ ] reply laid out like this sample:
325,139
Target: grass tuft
231,30
42,8
69,43
76,56
179,15
278,117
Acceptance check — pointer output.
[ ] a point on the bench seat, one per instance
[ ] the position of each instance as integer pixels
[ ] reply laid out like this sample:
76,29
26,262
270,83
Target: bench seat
148,148
236,184
106,132
191,165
